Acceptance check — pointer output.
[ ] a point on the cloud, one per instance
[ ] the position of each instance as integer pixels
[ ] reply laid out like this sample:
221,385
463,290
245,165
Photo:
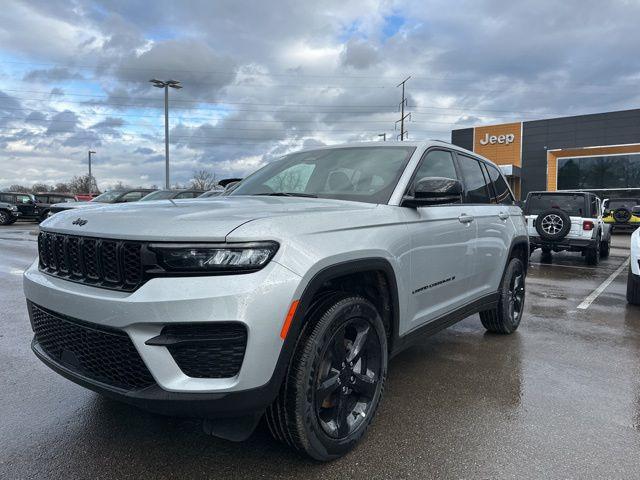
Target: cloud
359,54
63,122
54,74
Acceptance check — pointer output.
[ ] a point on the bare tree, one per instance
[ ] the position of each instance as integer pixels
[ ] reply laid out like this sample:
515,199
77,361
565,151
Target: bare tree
62,187
203,179
18,188
40,187
80,184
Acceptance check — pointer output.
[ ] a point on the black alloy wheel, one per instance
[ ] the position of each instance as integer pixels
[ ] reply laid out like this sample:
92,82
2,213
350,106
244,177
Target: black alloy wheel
507,315
335,380
348,378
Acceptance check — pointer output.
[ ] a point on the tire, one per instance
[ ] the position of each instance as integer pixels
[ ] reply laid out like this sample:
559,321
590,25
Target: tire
633,288
605,248
592,255
622,215
553,224
6,218
506,317
307,417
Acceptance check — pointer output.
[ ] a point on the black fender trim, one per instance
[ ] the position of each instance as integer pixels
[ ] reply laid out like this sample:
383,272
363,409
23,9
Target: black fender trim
517,241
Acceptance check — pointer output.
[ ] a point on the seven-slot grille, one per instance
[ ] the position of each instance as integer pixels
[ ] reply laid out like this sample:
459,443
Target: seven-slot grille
106,355
115,264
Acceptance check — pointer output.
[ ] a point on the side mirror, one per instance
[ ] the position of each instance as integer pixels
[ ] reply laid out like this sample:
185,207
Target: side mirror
606,212
636,211
434,191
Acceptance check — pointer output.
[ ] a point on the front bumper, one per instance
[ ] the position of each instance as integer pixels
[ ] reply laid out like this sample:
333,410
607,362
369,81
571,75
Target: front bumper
573,244
258,300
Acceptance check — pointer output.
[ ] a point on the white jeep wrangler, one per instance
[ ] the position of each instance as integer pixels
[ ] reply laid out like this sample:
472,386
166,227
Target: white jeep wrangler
571,221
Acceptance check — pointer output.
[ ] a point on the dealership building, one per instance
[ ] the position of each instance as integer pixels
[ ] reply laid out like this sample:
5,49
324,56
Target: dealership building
597,152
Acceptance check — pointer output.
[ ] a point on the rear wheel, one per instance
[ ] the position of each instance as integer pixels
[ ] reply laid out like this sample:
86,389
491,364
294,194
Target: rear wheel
505,318
633,288
605,248
335,381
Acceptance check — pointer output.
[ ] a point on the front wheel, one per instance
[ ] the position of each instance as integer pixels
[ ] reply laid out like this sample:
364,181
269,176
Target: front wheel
633,288
335,380
505,318
6,218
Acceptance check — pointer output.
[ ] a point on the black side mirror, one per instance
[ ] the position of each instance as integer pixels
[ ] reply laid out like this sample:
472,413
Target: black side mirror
636,211
434,191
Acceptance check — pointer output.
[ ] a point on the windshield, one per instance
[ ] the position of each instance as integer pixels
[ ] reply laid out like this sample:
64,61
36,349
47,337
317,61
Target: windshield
573,204
108,197
627,203
362,174
211,193
159,195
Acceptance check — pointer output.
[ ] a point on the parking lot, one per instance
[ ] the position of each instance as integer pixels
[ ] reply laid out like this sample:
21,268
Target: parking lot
558,399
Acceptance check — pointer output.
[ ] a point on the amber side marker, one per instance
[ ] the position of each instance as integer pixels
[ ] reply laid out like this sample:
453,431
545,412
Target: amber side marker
287,321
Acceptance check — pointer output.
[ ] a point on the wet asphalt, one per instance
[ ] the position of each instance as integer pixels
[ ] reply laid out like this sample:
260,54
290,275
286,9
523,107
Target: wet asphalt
560,398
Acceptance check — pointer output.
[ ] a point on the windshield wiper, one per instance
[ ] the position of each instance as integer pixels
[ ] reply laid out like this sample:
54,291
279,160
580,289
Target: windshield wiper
288,194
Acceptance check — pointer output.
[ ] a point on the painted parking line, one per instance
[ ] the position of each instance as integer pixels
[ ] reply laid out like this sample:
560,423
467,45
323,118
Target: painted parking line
593,295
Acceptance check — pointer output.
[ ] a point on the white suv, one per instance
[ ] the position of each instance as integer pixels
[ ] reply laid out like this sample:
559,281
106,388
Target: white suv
286,297
571,221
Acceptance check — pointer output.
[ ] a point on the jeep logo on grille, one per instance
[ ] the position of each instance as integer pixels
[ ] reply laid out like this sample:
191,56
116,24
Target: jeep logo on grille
79,221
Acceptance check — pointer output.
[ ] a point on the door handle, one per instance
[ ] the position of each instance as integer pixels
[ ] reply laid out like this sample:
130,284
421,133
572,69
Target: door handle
503,216
464,218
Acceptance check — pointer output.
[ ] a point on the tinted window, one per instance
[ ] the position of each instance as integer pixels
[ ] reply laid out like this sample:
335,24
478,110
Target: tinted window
6,198
437,163
501,191
474,179
614,171
627,203
23,198
42,199
133,196
573,204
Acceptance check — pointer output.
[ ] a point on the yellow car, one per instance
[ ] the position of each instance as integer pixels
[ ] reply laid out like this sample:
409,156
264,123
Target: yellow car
620,214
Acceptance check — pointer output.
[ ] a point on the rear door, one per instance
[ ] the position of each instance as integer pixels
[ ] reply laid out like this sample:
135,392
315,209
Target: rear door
442,247
495,229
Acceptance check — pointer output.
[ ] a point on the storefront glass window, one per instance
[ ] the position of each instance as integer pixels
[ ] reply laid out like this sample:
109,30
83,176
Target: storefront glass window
615,171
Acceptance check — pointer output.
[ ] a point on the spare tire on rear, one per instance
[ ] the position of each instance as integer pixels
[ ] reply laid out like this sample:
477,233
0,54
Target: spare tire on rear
622,215
553,224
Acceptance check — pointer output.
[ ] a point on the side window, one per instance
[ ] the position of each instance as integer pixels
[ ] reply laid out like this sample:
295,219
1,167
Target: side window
6,198
594,206
133,196
42,199
500,186
437,163
185,195
474,180
23,199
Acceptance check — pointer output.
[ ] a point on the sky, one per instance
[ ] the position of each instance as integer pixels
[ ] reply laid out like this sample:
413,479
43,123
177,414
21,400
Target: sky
261,79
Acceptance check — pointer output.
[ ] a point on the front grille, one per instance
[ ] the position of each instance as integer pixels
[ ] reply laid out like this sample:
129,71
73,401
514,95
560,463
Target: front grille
208,351
102,354
115,264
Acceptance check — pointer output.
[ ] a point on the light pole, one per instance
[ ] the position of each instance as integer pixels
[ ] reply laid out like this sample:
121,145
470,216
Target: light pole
166,84
90,177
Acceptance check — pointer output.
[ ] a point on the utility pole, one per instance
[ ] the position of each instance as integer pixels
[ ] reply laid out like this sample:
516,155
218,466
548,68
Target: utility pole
166,84
384,136
403,117
90,177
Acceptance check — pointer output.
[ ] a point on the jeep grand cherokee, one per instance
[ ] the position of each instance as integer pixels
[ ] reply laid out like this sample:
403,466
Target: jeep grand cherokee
285,298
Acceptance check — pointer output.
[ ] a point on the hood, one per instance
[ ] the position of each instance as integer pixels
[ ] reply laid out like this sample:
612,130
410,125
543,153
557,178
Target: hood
208,219
71,205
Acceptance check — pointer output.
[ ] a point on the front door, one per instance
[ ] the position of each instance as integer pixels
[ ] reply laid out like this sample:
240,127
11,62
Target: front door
442,248
26,205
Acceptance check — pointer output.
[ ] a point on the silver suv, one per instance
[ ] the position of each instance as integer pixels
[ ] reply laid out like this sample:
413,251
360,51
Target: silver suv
285,298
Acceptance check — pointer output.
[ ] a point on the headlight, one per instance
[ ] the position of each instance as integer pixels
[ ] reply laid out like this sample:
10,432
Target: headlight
204,258
13,208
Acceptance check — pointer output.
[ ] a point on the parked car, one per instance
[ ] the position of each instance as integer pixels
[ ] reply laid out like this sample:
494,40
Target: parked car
633,280
212,193
24,202
112,196
619,213
571,221
86,197
8,213
44,201
172,194
286,298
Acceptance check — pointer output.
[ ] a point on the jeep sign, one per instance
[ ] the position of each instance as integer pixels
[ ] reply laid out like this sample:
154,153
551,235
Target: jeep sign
501,139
